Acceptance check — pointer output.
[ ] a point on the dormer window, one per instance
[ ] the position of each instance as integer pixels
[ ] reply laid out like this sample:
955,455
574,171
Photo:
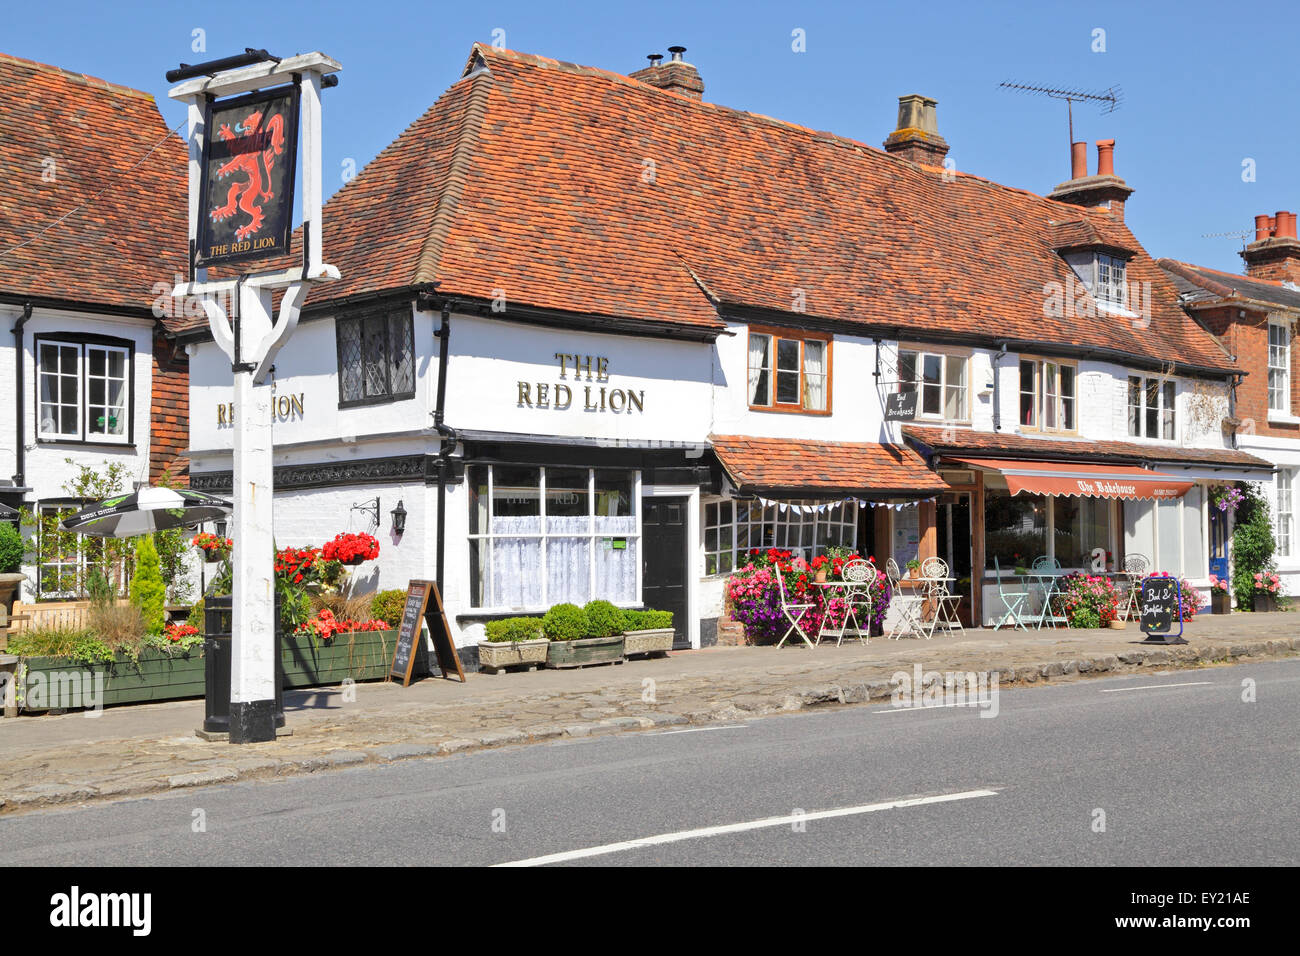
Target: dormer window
1109,284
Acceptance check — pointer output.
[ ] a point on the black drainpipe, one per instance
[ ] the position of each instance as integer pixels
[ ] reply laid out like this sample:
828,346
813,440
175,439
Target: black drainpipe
20,413
448,436
997,390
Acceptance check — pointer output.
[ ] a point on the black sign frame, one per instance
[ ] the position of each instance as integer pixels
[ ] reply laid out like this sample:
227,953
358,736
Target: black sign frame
901,406
1156,616
278,222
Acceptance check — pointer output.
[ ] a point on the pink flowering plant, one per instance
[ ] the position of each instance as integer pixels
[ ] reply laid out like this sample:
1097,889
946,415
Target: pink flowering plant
1266,582
1218,585
1189,600
1226,497
1087,600
755,596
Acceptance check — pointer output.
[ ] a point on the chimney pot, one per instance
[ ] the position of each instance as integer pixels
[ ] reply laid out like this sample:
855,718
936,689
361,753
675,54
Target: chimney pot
916,137
654,59
1105,157
1286,225
1262,228
1078,160
677,52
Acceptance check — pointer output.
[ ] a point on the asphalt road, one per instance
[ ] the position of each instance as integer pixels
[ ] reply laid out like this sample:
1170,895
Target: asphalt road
1185,772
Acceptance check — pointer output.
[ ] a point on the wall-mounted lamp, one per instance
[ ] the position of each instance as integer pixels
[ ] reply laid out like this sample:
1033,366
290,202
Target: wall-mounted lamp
371,508
399,519
221,528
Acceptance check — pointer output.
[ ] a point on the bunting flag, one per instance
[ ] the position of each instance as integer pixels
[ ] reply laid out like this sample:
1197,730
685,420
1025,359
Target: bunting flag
823,506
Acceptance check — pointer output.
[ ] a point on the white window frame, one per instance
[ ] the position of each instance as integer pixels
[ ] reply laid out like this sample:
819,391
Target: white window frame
1279,367
1166,407
917,384
1043,392
1110,280
781,523
1285,527
82,375
591,534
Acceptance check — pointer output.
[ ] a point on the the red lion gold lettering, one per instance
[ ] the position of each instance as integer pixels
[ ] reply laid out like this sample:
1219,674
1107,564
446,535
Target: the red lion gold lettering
249,194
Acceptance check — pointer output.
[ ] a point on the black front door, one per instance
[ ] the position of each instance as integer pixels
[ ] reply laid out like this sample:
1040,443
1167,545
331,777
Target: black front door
664,561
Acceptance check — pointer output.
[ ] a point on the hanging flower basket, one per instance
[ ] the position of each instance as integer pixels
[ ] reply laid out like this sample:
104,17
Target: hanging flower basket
351,549
213,548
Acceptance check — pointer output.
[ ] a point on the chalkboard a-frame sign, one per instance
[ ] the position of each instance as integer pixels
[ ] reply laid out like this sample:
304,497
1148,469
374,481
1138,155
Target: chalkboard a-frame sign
1161,604
424,603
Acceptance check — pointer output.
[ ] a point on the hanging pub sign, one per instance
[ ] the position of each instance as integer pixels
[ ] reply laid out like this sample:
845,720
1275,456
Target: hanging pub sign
250,158
900,407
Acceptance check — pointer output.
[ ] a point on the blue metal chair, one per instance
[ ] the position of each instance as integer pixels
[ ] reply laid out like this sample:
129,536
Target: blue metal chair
1012,601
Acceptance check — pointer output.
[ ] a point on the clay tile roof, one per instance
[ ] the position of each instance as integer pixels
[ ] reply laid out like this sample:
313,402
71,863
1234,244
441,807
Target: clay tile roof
582,190
1086,232
963,440
811,468
125,207
1202,284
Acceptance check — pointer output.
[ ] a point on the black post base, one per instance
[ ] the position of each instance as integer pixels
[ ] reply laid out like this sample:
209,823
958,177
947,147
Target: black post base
252,721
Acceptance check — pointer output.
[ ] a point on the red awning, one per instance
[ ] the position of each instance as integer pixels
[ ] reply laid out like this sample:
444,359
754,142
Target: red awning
1094,481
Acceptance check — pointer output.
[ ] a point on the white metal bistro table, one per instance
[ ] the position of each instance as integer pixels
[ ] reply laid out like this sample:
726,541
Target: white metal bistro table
1048,580
854,596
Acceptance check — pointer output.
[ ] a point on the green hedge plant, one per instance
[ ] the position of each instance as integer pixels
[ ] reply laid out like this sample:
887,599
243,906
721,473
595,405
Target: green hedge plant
11,549
647,620
388,606
513,629
566,622
148,592
1252,544
606,620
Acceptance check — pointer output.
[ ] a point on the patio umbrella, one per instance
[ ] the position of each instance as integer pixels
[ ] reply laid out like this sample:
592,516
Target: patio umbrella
147,510
6,511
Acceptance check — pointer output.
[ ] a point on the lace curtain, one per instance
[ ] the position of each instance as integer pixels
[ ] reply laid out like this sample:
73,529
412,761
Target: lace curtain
814,375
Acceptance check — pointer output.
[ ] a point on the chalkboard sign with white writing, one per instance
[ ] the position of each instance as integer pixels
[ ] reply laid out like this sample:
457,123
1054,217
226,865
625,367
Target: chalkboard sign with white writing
1161,602
424,604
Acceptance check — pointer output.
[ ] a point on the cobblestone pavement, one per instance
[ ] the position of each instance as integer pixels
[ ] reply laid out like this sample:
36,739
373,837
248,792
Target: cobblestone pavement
135,750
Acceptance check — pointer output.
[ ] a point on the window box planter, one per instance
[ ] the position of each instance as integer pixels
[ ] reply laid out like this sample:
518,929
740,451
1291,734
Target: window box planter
496,656
359,655
1220,602
655,642
590,650
1265,601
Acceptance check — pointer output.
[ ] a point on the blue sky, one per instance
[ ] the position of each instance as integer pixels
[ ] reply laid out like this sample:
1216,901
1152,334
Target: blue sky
1206,85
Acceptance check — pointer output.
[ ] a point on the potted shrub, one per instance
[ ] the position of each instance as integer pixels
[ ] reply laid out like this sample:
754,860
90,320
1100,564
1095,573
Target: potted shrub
1220,599
576,642
1266,586
513,641
914,568
647,632
11,560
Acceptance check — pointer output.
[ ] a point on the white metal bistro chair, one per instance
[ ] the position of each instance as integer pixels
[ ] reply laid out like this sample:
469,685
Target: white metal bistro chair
892,574
794,613
934,571
1136,567
1013,603
1044,570
860,578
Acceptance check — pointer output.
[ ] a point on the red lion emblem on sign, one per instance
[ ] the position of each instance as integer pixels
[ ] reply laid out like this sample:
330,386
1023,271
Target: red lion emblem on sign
256,162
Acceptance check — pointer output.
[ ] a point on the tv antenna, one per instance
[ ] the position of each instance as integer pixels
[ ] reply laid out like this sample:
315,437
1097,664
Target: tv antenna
1108,99
1243,236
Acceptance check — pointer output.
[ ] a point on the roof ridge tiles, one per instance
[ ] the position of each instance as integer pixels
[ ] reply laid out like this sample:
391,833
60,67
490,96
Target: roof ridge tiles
84,78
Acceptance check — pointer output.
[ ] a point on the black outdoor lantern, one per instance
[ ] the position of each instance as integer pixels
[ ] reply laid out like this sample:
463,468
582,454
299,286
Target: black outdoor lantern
221,529
399,519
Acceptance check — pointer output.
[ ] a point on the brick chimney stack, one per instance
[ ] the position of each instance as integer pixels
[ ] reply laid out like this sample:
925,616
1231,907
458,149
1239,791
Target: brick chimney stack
676,75
917,135
1275,253
1105,190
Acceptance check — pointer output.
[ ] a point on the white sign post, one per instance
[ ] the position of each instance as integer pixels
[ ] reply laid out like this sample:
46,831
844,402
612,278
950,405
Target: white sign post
243,325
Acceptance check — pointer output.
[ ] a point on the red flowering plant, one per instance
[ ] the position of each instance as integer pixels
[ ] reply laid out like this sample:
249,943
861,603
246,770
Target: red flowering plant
1087,600
300,566
213,548
176,637
351,548
324,626
755,596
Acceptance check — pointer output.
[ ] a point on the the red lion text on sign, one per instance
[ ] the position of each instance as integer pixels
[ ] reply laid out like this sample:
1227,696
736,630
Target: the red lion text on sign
255,160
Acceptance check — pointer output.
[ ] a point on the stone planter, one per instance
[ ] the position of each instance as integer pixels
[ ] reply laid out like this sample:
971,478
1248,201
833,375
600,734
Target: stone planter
583,653
496,656
1220,602
1265,601
10,585
657,642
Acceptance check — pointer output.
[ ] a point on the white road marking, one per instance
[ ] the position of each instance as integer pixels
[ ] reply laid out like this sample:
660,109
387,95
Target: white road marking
907,707
766,822
1119,690
697,730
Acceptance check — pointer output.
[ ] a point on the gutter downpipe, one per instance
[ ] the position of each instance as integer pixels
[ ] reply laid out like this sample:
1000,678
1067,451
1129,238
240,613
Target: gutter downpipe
20,412
448,438
997,390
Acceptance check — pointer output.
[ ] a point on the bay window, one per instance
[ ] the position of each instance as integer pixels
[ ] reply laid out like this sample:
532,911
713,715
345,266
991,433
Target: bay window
734,528
540,536
1279,367
941,381
1151,408
83,391
1047,395
788,372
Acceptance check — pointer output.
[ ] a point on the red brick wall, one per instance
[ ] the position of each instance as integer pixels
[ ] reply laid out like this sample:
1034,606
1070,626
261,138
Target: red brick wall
1247,338
169,419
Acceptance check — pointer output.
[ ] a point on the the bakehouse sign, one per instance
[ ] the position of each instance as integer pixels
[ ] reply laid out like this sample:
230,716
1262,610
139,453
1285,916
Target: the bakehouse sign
584,383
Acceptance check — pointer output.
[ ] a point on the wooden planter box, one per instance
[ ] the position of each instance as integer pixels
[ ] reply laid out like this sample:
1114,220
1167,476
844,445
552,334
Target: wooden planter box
1220,602
56,683
658,641
591,650
1264,601
359,655
496,656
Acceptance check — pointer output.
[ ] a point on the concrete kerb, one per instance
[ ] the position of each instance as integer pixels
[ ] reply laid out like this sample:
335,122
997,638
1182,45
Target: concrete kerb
254,767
